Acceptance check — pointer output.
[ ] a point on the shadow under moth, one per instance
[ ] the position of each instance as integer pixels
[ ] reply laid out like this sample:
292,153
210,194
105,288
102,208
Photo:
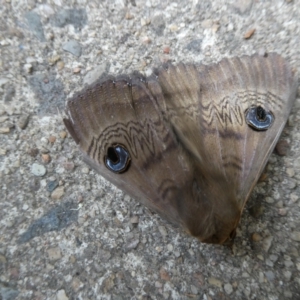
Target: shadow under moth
190,141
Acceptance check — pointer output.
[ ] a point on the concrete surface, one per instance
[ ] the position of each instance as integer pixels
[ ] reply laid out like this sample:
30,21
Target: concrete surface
66,233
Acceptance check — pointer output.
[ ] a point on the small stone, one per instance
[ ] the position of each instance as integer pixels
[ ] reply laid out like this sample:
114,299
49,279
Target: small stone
173,27
290,172
166,50
52,139
85,170
52,185
28,68
146,40
76,70
282,211
194,290
35,25
4,129
54,253
249,33
215,282
63,134
170,247
46,158
134,220
3,119
33,152
228,288
2,152
60,65
23,121
2,259
267,242
287,275
57,193
295,236
73,47
270,275
128,15
282,148
68,165
162,231
38,170
242,6
133,244
294,198
256,237
53,59
61,295
94,74
34,184
164,275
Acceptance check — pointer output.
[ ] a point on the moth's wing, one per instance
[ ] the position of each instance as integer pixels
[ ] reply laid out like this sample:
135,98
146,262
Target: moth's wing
124,111
206,107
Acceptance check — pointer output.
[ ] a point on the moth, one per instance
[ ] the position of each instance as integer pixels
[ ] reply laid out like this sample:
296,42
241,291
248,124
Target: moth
191,140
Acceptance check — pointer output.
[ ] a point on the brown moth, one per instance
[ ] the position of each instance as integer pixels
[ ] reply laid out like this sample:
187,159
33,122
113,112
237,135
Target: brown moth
190,141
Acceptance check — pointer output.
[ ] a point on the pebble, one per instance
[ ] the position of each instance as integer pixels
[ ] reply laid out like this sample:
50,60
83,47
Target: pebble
288,275
215,282
267,242
53,59
270,275
94,74
69,165
35,25
54,253
38,170
158,24
60,65
63,134
72,47
133,244
3,151
290,172
46,158
256,237
2,259
163,231
228,288
282,148
242,6
170,247
4,129
295,236
52,185
249,33
23,121
3,119
85,170
164,275
61,295
57,193
194,290
52,139
134,220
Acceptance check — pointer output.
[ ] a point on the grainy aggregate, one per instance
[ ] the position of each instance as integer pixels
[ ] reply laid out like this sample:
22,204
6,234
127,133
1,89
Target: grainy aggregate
66,233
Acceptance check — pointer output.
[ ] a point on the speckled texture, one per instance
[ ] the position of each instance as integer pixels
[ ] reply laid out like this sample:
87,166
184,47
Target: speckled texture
69,234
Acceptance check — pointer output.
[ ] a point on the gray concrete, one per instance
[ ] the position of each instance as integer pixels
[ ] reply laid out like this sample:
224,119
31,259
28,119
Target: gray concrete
69,234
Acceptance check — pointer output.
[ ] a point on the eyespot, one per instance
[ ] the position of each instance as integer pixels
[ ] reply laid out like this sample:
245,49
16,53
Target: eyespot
258,118
117,159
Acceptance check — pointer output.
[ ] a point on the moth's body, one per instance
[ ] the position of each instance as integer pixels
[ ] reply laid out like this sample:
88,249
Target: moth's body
184,132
